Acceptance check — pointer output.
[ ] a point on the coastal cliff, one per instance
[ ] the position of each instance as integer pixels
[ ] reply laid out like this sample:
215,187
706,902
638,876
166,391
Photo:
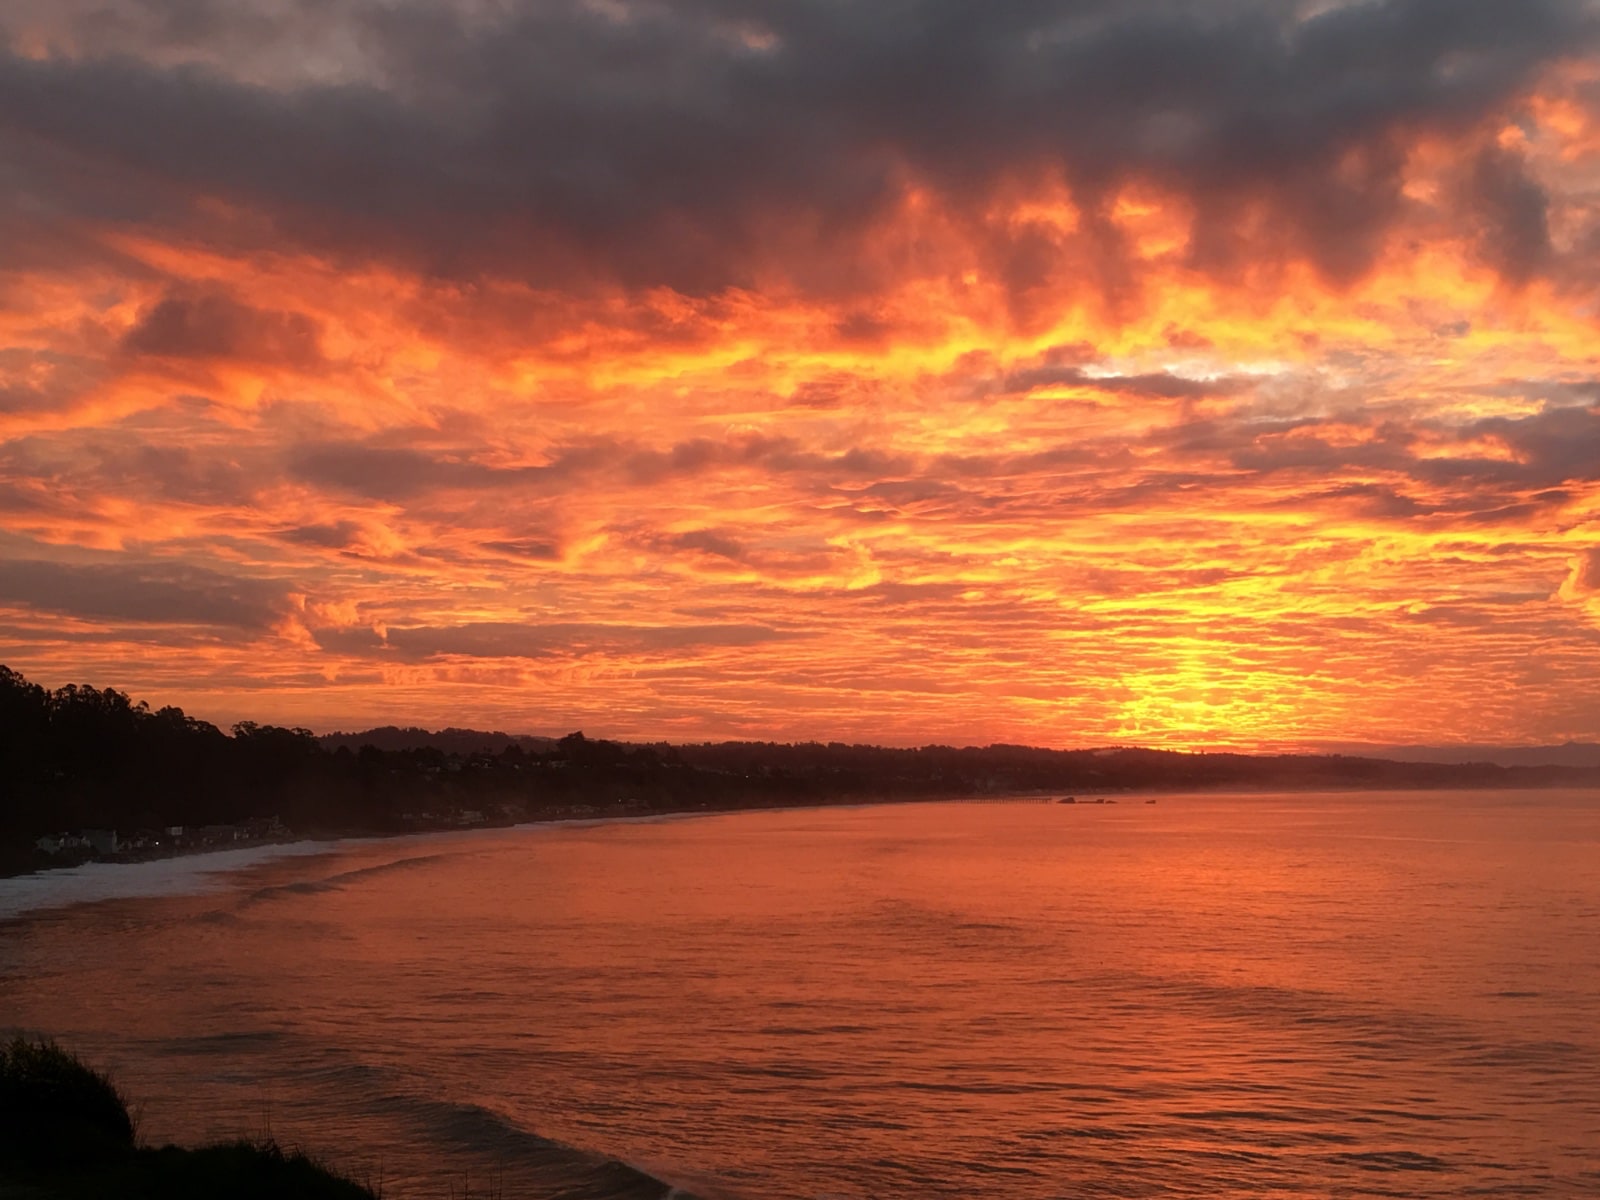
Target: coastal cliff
65,1132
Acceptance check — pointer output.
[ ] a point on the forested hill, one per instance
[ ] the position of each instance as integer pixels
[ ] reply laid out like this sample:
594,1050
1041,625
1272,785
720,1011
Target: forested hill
81,756
449,741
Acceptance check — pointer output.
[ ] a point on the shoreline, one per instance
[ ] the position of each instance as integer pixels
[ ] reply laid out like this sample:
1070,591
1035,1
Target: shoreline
1090,799
199,862
154,875
568,815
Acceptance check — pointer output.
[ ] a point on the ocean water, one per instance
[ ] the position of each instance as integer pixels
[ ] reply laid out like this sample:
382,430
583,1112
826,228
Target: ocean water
1209,996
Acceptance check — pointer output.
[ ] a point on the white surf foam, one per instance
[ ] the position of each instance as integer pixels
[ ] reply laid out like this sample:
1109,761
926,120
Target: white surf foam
195,874
187,874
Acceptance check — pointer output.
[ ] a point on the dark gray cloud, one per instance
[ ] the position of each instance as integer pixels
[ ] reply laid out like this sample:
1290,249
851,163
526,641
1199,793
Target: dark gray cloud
34,380
1513,214
122,461
383,473
15,398
215,325
1556,446
713,143
1584,580
157,593
1549,449
780,553
337,535
1162,384
1368,499
511,639
21,498
709,541
1396,474
390,473
538,549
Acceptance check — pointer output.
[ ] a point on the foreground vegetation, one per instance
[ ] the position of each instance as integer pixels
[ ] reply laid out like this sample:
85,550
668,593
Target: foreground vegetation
65,1132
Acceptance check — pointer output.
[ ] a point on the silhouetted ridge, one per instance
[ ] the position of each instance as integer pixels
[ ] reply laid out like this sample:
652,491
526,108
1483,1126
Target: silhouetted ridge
65,1132
85,759
448,741
1567,754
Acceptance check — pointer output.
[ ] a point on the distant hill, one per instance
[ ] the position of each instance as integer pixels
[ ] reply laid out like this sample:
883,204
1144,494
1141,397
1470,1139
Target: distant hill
447,741
1583,755
81,758
1567,754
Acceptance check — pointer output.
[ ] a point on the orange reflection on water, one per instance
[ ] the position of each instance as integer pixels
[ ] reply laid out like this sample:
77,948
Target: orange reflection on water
1208,996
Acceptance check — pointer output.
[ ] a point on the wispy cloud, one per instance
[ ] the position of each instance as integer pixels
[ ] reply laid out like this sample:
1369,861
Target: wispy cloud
1214,372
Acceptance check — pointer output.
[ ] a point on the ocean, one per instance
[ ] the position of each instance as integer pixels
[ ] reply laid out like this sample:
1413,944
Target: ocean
1343,995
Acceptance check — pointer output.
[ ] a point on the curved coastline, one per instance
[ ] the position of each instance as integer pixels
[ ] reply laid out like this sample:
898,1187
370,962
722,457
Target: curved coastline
581,1173
186,874
199,872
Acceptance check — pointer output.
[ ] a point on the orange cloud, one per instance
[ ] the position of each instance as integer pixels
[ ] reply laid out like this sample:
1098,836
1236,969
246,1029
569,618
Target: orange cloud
1188,424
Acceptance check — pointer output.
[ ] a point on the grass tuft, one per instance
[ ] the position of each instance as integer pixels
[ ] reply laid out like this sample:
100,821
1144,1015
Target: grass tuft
55,1111
65,1132
243,1170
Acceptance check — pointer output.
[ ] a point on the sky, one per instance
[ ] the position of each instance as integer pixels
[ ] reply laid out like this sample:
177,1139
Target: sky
1205,374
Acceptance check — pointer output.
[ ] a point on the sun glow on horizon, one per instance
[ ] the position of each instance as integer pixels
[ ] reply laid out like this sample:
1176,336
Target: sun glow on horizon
1149,430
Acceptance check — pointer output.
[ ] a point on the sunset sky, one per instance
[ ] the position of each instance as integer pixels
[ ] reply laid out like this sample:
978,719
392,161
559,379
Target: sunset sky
1187,374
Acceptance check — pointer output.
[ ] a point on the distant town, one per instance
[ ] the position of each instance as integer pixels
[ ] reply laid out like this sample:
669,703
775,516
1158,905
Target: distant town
91,774
146,843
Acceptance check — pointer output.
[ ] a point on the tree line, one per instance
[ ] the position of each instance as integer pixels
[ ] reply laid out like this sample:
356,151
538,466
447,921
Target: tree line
80,756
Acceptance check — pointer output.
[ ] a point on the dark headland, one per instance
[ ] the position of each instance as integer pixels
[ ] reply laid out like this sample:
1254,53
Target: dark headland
87,772
66,1133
